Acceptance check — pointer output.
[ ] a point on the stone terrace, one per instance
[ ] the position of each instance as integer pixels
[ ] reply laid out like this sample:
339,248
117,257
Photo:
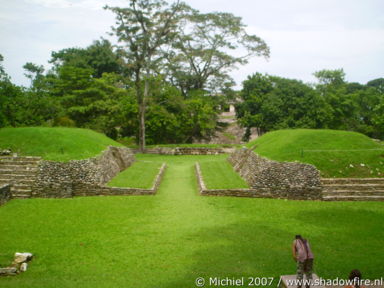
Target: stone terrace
21,173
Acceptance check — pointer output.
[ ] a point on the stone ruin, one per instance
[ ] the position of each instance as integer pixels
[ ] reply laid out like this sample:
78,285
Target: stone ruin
19,264
288,180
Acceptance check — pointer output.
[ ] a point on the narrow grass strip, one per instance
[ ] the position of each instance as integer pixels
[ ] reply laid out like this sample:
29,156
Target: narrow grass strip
220,175
140,175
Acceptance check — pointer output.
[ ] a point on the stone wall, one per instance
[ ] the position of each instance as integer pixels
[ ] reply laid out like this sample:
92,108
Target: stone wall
241,192
187,151
63,179
290,180
5,193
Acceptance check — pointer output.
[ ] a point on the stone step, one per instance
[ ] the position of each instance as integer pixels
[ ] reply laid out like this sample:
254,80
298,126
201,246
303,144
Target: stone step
353,193
18,171
14,177
27,186
355,187
327,181
21,196
21,193
14,166
19,164
353,198
13,182
28,182
20,158
21,187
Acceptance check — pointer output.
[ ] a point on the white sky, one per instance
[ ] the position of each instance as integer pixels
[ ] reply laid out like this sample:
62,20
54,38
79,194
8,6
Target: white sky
304,35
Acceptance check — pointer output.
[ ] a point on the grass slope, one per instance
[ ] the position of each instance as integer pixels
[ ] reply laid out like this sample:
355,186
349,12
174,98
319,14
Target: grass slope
220,175
334,153
170,239
141,174
58,143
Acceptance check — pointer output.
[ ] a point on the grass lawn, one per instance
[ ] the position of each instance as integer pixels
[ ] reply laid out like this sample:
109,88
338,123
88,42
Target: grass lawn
221,175
57,143
141,174
334,153
170,239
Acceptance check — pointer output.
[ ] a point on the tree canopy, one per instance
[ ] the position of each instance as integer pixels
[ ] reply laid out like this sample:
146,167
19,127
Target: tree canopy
201,57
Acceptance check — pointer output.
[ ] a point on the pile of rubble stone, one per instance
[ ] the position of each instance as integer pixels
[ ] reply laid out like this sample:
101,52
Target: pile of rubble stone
19,264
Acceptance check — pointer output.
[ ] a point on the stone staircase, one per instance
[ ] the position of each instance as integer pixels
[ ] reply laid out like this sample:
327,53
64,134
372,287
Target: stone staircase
353,189
20,172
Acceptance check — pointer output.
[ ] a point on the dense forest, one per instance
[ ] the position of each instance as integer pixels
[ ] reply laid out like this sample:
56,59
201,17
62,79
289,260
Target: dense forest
168,78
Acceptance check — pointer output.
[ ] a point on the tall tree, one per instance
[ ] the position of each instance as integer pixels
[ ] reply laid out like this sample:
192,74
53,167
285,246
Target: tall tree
145,27
207,47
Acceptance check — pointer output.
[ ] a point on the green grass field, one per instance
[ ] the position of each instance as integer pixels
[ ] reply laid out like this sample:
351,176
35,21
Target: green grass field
220,175
170,239
141,174
58,143
334,153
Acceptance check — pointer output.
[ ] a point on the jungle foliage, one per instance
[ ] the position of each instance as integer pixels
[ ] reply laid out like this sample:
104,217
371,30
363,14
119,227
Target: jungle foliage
271,103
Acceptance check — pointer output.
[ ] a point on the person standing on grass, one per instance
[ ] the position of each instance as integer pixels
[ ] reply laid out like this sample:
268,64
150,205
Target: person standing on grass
303,255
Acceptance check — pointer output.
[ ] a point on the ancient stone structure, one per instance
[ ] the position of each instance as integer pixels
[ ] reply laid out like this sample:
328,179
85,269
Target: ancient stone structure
289,180
187,151
20,172
353,189
50,179
5,193
254,193
83,189
67,179
34,177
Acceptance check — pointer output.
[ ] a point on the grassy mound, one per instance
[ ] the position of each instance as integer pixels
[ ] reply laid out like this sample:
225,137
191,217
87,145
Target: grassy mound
58,144
140,175
334,153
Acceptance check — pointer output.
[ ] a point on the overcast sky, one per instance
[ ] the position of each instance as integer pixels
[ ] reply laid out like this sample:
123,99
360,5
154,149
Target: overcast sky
304,35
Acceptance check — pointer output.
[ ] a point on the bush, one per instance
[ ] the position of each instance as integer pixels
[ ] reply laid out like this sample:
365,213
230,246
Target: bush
64,121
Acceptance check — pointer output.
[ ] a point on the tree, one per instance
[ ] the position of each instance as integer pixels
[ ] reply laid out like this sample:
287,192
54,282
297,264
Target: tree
90,102
330,77
145,27
201,57
272,103
377,84
8,91
340,97
99,56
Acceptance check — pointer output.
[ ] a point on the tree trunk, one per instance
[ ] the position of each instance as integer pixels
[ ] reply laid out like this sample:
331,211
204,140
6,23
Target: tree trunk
141,105
142,108
142,126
